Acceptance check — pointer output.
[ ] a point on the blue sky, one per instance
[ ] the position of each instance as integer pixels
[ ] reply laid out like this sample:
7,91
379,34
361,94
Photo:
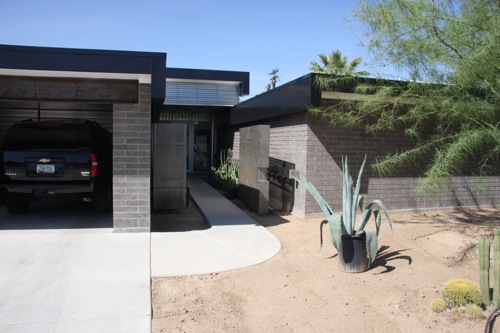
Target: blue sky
252,35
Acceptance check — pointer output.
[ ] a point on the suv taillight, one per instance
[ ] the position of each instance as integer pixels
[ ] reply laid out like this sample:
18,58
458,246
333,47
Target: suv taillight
94,165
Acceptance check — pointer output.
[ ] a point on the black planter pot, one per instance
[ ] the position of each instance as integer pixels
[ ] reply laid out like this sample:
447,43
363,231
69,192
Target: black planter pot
353,254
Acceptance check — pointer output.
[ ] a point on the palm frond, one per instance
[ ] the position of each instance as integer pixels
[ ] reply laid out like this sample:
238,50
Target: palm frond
335,63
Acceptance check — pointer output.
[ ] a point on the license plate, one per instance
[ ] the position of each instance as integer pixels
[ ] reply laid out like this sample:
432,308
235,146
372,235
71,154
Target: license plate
45,169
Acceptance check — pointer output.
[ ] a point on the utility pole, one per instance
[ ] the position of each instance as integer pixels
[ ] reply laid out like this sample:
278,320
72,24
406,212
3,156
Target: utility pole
274,78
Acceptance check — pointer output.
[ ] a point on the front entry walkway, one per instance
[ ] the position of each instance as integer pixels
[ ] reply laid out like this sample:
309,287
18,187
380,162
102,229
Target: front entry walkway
234,241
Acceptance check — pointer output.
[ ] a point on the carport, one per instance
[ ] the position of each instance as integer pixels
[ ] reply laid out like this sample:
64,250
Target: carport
122,90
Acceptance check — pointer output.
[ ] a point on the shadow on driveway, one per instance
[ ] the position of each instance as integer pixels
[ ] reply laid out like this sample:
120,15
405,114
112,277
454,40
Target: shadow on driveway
61,214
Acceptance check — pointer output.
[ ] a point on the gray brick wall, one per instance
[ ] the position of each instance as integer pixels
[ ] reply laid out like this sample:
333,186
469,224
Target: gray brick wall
288,142
323,171
236,146
254,163
132,163
399,193
326,146
317,149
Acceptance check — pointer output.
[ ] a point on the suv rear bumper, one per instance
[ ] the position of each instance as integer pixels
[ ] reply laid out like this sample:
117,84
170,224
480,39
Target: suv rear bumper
41,190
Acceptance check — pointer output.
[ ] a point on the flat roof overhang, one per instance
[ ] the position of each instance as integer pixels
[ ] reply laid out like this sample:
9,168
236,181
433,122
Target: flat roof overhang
300,94
207,75
295,96
144,67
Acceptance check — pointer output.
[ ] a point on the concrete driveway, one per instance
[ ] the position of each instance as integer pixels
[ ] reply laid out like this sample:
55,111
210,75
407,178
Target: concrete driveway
62,269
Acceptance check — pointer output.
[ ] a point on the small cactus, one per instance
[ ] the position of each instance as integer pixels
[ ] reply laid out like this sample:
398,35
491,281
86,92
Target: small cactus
473,311
460,292
438,305
484,269
496,266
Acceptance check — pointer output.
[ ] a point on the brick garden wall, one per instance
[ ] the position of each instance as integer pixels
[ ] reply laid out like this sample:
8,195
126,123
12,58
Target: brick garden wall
316,148
132,163
399,193
288,142
326,146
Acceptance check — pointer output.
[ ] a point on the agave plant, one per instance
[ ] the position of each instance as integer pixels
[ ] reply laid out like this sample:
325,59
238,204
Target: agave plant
345,224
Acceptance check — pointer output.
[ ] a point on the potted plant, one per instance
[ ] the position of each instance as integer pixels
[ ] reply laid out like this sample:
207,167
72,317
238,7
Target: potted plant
356,246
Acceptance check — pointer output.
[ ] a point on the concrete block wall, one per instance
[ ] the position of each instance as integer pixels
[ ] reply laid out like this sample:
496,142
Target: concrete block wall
399,193
169,171
327,145
236,146
316,149
323,171
132,164
254,162
288,142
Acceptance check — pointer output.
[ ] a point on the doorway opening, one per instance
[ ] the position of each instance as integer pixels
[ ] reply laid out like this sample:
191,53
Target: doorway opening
199,157
204,124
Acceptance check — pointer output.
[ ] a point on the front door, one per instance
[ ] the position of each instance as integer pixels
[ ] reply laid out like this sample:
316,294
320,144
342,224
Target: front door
200,147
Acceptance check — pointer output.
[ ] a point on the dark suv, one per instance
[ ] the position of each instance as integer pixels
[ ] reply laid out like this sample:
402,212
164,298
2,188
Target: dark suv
56,158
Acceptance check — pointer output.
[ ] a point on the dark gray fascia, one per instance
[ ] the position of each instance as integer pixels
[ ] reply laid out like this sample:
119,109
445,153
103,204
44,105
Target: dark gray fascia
84,60
295,96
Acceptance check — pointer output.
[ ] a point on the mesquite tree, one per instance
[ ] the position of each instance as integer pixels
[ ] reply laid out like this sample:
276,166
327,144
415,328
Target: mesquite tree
450,105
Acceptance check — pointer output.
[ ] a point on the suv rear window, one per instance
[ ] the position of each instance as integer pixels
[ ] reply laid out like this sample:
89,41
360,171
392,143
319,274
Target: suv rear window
46,136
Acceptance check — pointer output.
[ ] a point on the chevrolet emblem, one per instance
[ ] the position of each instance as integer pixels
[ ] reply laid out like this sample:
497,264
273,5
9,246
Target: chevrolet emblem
44,160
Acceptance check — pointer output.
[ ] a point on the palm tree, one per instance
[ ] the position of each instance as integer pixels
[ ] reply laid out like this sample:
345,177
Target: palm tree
336,63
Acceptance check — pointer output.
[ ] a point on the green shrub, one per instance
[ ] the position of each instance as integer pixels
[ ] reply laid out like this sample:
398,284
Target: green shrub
226,176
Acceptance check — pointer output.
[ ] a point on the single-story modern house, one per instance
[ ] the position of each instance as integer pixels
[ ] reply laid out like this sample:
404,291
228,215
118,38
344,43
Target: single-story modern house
169,121
138,98
307,143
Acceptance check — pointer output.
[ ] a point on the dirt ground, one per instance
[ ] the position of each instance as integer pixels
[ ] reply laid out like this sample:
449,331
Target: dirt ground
302,289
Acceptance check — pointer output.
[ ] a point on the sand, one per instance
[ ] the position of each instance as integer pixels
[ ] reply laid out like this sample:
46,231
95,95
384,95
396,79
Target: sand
302,288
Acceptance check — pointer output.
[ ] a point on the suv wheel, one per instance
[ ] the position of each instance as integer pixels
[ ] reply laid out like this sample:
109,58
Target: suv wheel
16,205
